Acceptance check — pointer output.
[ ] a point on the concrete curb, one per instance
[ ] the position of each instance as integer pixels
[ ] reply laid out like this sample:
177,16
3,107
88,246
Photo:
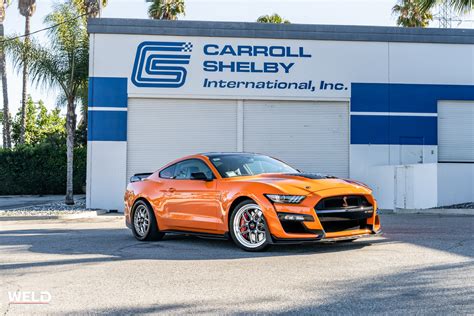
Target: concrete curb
83,215
434,211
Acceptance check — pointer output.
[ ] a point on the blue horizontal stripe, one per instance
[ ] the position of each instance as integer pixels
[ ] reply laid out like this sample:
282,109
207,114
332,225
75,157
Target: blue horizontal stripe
369,97
107,126
108,92
393,130
414,98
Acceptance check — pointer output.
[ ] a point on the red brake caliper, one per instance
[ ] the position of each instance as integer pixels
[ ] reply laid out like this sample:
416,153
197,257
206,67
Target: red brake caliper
242,222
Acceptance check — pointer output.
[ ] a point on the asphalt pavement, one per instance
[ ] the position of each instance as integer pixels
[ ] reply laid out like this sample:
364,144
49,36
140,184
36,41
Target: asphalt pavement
423,264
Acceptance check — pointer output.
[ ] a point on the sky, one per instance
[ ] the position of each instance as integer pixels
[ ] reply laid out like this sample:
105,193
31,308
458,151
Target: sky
344,12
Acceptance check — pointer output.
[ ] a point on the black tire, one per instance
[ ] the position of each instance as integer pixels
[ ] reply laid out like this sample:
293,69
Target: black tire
152,231
238,239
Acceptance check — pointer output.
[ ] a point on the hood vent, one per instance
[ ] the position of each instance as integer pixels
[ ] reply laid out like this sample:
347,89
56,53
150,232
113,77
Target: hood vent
314,176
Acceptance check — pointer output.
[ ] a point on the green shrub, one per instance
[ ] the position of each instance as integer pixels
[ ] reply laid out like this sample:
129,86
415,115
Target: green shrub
40,169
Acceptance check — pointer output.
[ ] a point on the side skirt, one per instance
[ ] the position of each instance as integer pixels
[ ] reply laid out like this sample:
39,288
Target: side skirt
198,234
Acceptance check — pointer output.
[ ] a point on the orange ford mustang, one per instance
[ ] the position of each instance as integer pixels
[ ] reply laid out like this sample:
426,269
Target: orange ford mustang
254,199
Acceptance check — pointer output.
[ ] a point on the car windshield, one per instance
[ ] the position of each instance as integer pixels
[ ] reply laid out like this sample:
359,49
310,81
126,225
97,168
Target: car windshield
237,165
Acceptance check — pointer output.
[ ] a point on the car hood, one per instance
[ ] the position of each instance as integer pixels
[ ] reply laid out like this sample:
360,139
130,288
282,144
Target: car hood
303,184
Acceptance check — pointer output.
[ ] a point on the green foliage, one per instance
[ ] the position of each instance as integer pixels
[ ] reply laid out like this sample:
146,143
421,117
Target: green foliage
166,9
274,18
40,124
461,6
81,134
4,4
89,8
62,64
412,14
40,169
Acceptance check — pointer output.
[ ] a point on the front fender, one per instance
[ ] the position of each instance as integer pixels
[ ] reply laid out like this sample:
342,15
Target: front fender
255,192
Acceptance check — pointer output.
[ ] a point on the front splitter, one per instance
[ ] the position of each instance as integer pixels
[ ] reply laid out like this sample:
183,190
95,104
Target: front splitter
288,241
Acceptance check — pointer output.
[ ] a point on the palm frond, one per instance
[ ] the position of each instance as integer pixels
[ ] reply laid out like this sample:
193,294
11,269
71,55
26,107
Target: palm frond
62,64
274,18
166,9
460,6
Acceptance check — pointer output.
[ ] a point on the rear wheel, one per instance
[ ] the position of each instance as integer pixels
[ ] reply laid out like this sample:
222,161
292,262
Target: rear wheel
248,227
144,224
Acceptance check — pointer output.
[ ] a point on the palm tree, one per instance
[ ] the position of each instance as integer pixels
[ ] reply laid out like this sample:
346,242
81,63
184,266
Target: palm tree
411,14
62,64
461,6
274,18
91,8
166,9
7,142
27,9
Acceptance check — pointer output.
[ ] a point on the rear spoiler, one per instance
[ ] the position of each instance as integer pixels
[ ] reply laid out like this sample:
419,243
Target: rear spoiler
140,176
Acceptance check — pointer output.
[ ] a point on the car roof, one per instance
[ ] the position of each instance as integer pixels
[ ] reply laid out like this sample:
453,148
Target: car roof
214,154
209,155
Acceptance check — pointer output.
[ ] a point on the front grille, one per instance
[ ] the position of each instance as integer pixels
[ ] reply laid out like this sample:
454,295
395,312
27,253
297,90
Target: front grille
340,213
343,201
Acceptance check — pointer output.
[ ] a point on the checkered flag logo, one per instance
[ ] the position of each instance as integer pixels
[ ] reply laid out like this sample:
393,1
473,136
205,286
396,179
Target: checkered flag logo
188,47
161,64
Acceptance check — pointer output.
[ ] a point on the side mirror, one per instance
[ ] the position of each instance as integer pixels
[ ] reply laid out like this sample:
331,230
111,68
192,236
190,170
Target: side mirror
200,176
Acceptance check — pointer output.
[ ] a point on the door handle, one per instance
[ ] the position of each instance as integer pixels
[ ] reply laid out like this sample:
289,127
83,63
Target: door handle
171,189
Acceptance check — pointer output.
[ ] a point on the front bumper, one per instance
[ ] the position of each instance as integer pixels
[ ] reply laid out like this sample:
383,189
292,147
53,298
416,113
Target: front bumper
323,225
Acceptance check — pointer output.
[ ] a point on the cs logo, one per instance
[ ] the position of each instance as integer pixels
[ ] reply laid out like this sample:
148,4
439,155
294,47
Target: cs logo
161,64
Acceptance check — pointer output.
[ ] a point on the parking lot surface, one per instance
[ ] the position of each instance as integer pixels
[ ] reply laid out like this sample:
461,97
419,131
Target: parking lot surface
423,264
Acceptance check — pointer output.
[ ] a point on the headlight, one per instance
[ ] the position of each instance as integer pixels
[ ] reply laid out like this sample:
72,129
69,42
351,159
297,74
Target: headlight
285,199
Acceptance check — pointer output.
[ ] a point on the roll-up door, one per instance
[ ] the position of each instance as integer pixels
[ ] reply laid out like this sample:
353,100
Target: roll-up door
311,136
456,131
161,130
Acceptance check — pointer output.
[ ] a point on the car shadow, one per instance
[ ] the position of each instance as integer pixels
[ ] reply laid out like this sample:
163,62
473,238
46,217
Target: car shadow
118,244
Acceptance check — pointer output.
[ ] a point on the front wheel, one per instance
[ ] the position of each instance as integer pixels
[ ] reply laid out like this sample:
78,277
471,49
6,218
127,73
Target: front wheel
248,227
144,224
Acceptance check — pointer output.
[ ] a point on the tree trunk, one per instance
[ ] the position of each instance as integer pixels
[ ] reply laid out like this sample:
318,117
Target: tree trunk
7,142
25,82
70,129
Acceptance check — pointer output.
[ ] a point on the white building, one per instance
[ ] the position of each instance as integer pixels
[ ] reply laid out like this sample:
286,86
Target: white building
392,107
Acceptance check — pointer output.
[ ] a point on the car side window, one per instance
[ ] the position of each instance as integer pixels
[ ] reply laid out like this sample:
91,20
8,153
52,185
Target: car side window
185,169
168,173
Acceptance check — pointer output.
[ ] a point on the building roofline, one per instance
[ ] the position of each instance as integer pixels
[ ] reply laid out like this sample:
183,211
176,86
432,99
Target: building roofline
281,31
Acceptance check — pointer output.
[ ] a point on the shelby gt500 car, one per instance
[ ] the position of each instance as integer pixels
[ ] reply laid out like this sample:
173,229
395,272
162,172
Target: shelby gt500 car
254,199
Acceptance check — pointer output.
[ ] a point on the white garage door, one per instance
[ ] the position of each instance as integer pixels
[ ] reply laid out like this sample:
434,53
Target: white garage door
161,130
311,136
456,131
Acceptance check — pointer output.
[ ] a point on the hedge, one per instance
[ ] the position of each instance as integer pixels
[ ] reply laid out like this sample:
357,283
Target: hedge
40,169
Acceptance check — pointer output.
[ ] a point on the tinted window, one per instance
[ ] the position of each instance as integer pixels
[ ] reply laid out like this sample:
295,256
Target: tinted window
247,165
185,169
168,173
